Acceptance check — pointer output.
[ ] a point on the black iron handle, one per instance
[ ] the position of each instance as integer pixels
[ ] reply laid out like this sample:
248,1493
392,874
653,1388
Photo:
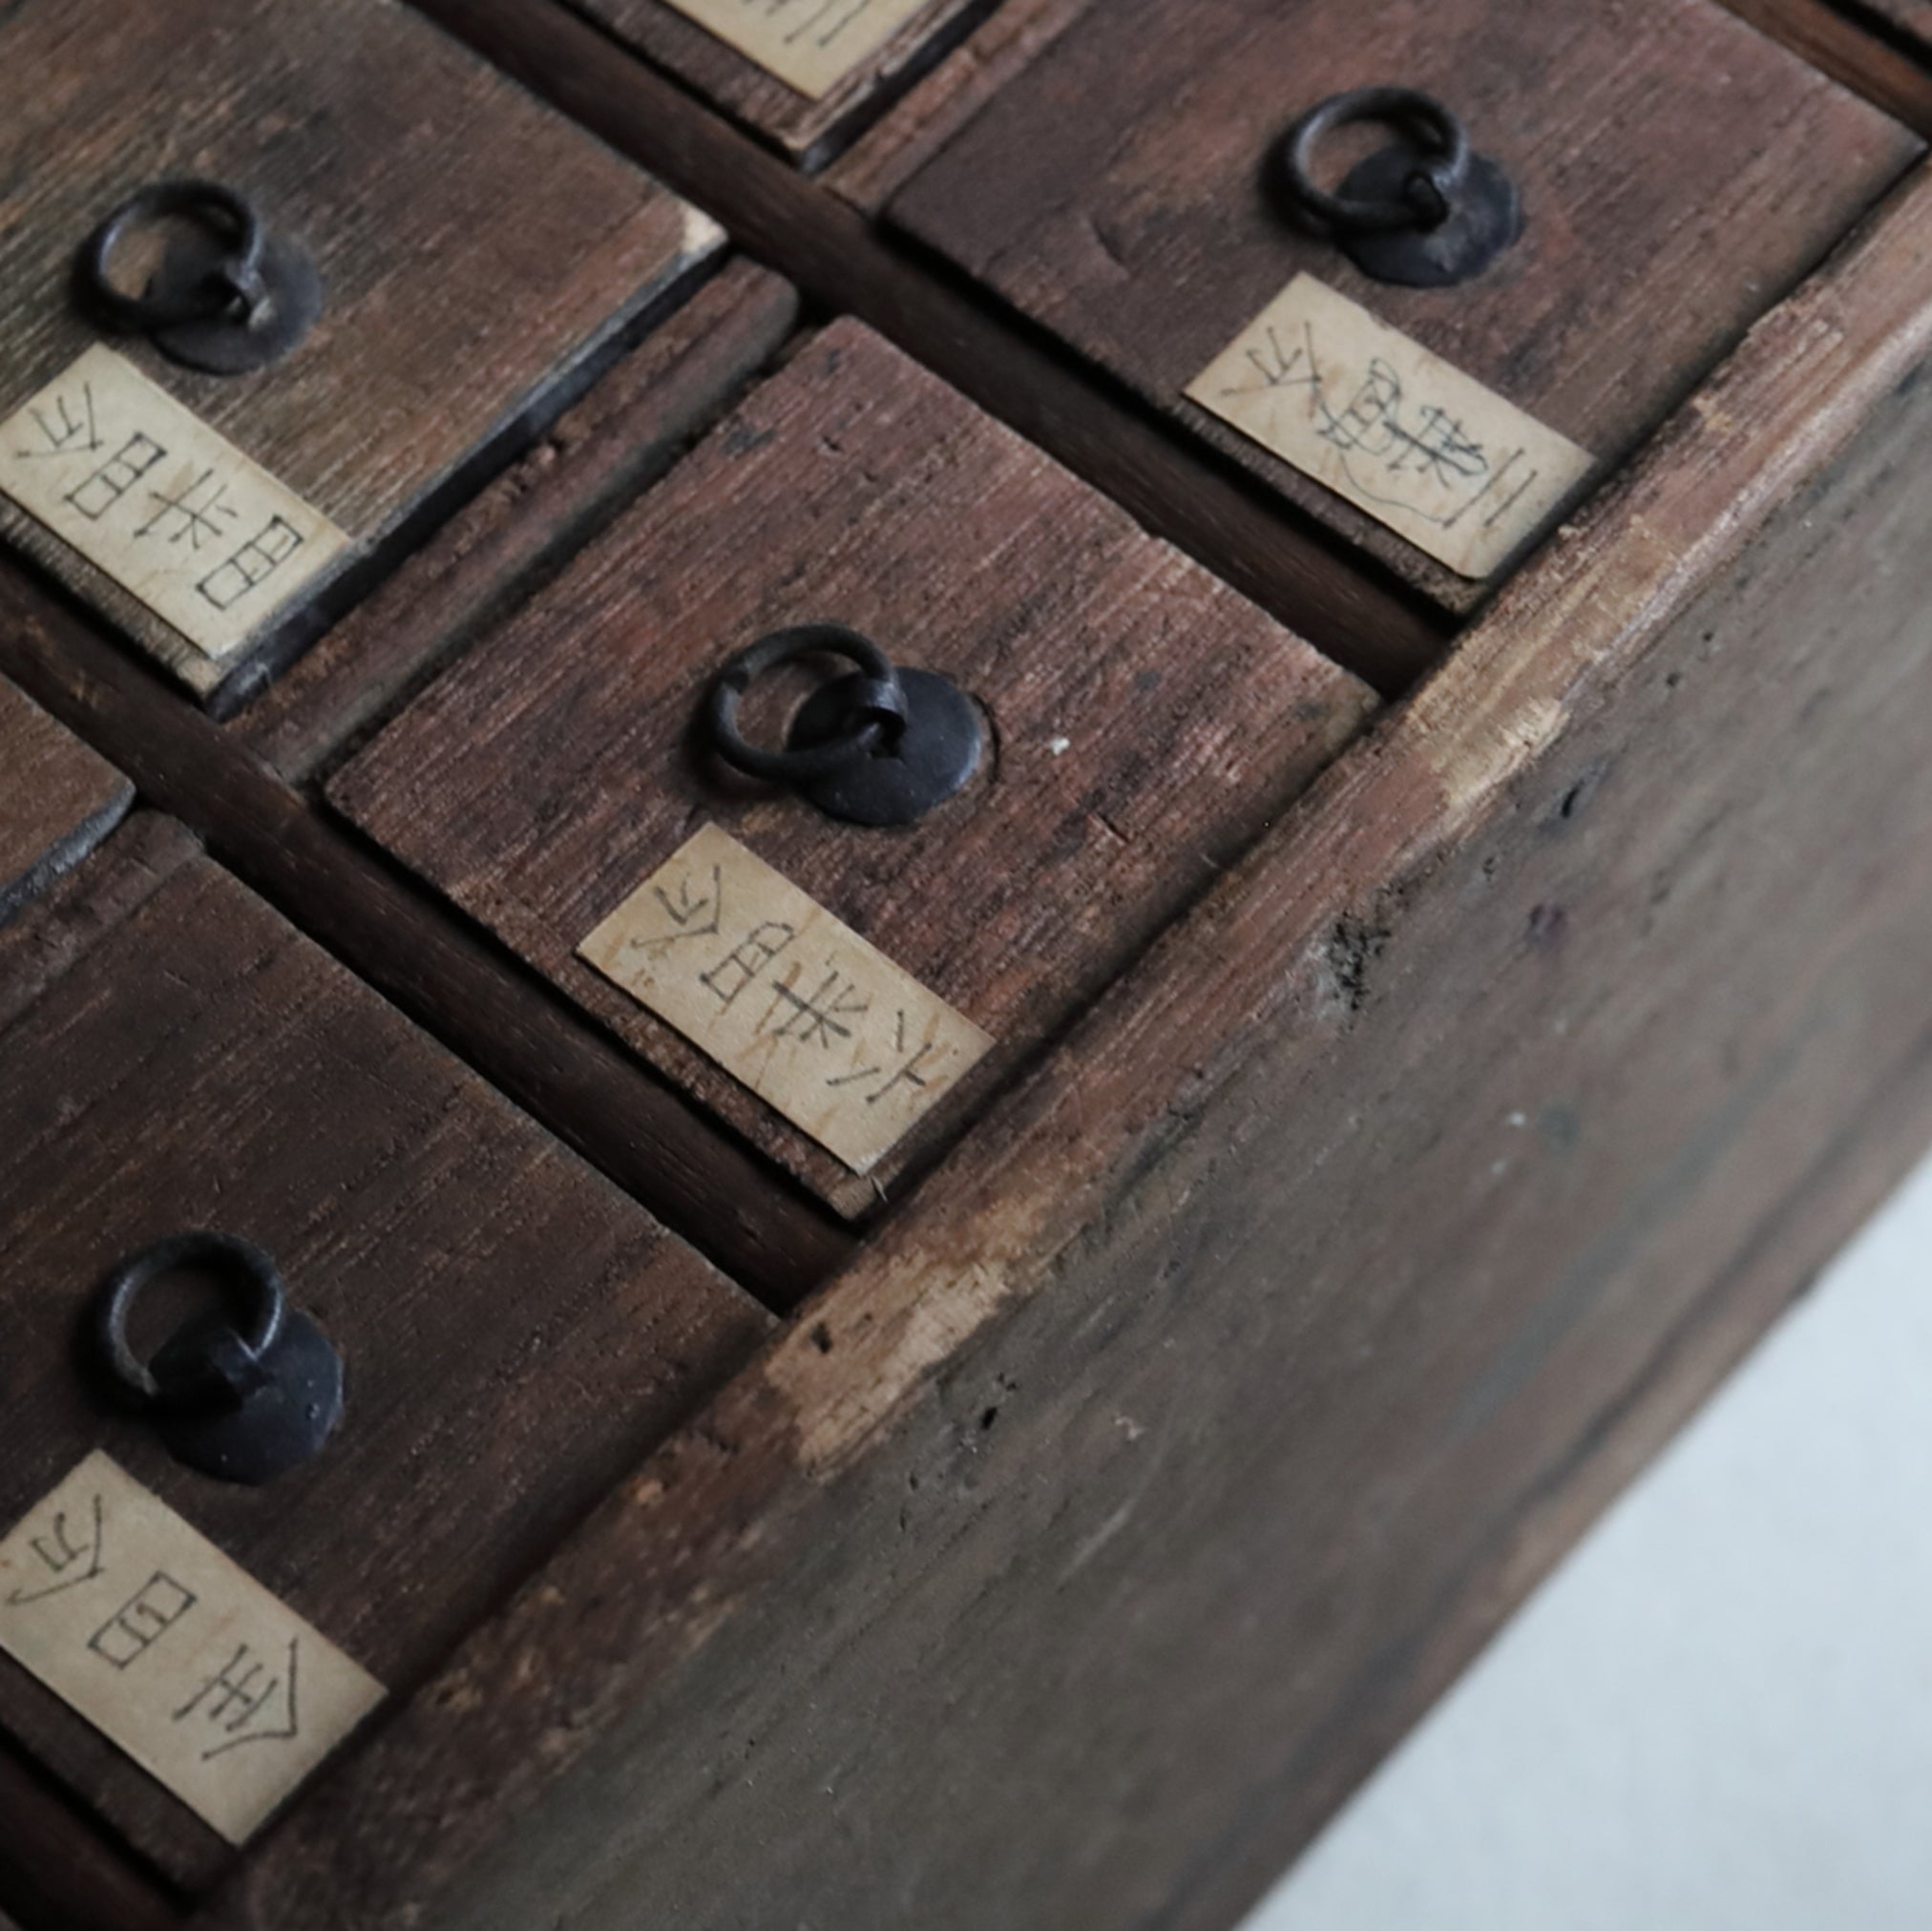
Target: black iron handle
875,711
232,284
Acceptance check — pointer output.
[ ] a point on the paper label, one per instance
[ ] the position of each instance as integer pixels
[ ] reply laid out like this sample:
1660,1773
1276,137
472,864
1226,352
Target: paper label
172,511
819,1024
1379,419
811,45
182,1660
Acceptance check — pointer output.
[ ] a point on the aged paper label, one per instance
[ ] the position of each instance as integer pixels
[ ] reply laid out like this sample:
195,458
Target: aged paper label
186,1663
1380,420
172,511
819,1024
811,45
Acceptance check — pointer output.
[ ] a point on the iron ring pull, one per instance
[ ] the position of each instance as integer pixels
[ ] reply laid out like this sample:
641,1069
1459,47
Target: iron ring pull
234,284
223,1374
1433,186
877,710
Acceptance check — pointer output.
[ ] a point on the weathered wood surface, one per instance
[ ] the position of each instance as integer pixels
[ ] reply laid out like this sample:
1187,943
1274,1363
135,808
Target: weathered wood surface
58,799
480,254
454,982
630,427
1840,39
1679,172
892,150
1144,722
810,131
1073,1555
57,1873
515,1332
1173,485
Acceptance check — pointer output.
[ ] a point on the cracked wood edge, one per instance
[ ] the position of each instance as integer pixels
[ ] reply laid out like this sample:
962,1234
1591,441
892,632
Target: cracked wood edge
707,1521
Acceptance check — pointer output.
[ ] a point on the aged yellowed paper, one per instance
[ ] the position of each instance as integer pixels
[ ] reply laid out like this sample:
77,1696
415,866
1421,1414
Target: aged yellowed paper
811,45
819,1024
181,1659
1379,419
169,509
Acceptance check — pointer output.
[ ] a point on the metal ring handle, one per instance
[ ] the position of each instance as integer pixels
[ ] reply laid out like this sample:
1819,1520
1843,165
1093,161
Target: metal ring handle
881,704
1431,190
238,278
248,1276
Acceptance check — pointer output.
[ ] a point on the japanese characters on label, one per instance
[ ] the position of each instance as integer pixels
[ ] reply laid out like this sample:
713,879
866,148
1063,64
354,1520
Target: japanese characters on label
1377,418
821,1025
173,512
811,45
140,1623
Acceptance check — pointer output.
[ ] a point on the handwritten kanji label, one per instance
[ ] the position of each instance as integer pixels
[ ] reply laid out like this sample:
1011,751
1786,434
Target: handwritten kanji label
819,1024
186,1663
811,45
1379,419
172,511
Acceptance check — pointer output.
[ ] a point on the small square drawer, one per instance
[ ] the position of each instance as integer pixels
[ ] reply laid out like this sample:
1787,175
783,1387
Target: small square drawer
397,261
1140,723
514,1334
1673,173
58,799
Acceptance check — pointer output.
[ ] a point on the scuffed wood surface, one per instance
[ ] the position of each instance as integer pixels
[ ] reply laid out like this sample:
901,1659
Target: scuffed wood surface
1144,722
58,799
1679,172
598,455
479,253
808,131
1595,955
1840,41
515,1332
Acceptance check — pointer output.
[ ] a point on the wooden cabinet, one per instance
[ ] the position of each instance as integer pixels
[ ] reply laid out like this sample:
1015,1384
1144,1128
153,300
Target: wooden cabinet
1141,720
58,799
1678,172
479,257
515,1332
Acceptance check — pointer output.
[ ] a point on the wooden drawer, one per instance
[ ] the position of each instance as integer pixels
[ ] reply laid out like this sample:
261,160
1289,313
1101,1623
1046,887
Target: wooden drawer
58,799
479,256
1143,724
1678,171
515,1332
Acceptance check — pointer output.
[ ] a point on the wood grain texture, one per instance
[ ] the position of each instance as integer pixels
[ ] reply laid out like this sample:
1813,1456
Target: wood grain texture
1144,722
1643,865
810,132
451,980
480,254
600,453
515,1332
1173,485
58,799
1871,46
1679,172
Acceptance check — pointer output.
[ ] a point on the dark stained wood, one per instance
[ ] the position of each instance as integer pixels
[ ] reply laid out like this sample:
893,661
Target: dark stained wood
458,985
481,255
600,453
1599,965
1876,50
515,1332
58,799
808,130
1144,722
1169,482
57,1873
893,149
1679,174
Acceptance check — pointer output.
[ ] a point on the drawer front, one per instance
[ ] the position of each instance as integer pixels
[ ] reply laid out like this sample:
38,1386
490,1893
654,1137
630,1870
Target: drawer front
1143,722
57,798
515,1332
477,257
1677,173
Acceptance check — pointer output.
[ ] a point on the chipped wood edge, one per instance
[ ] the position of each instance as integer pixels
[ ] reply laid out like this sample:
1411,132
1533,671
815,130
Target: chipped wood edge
708,1518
